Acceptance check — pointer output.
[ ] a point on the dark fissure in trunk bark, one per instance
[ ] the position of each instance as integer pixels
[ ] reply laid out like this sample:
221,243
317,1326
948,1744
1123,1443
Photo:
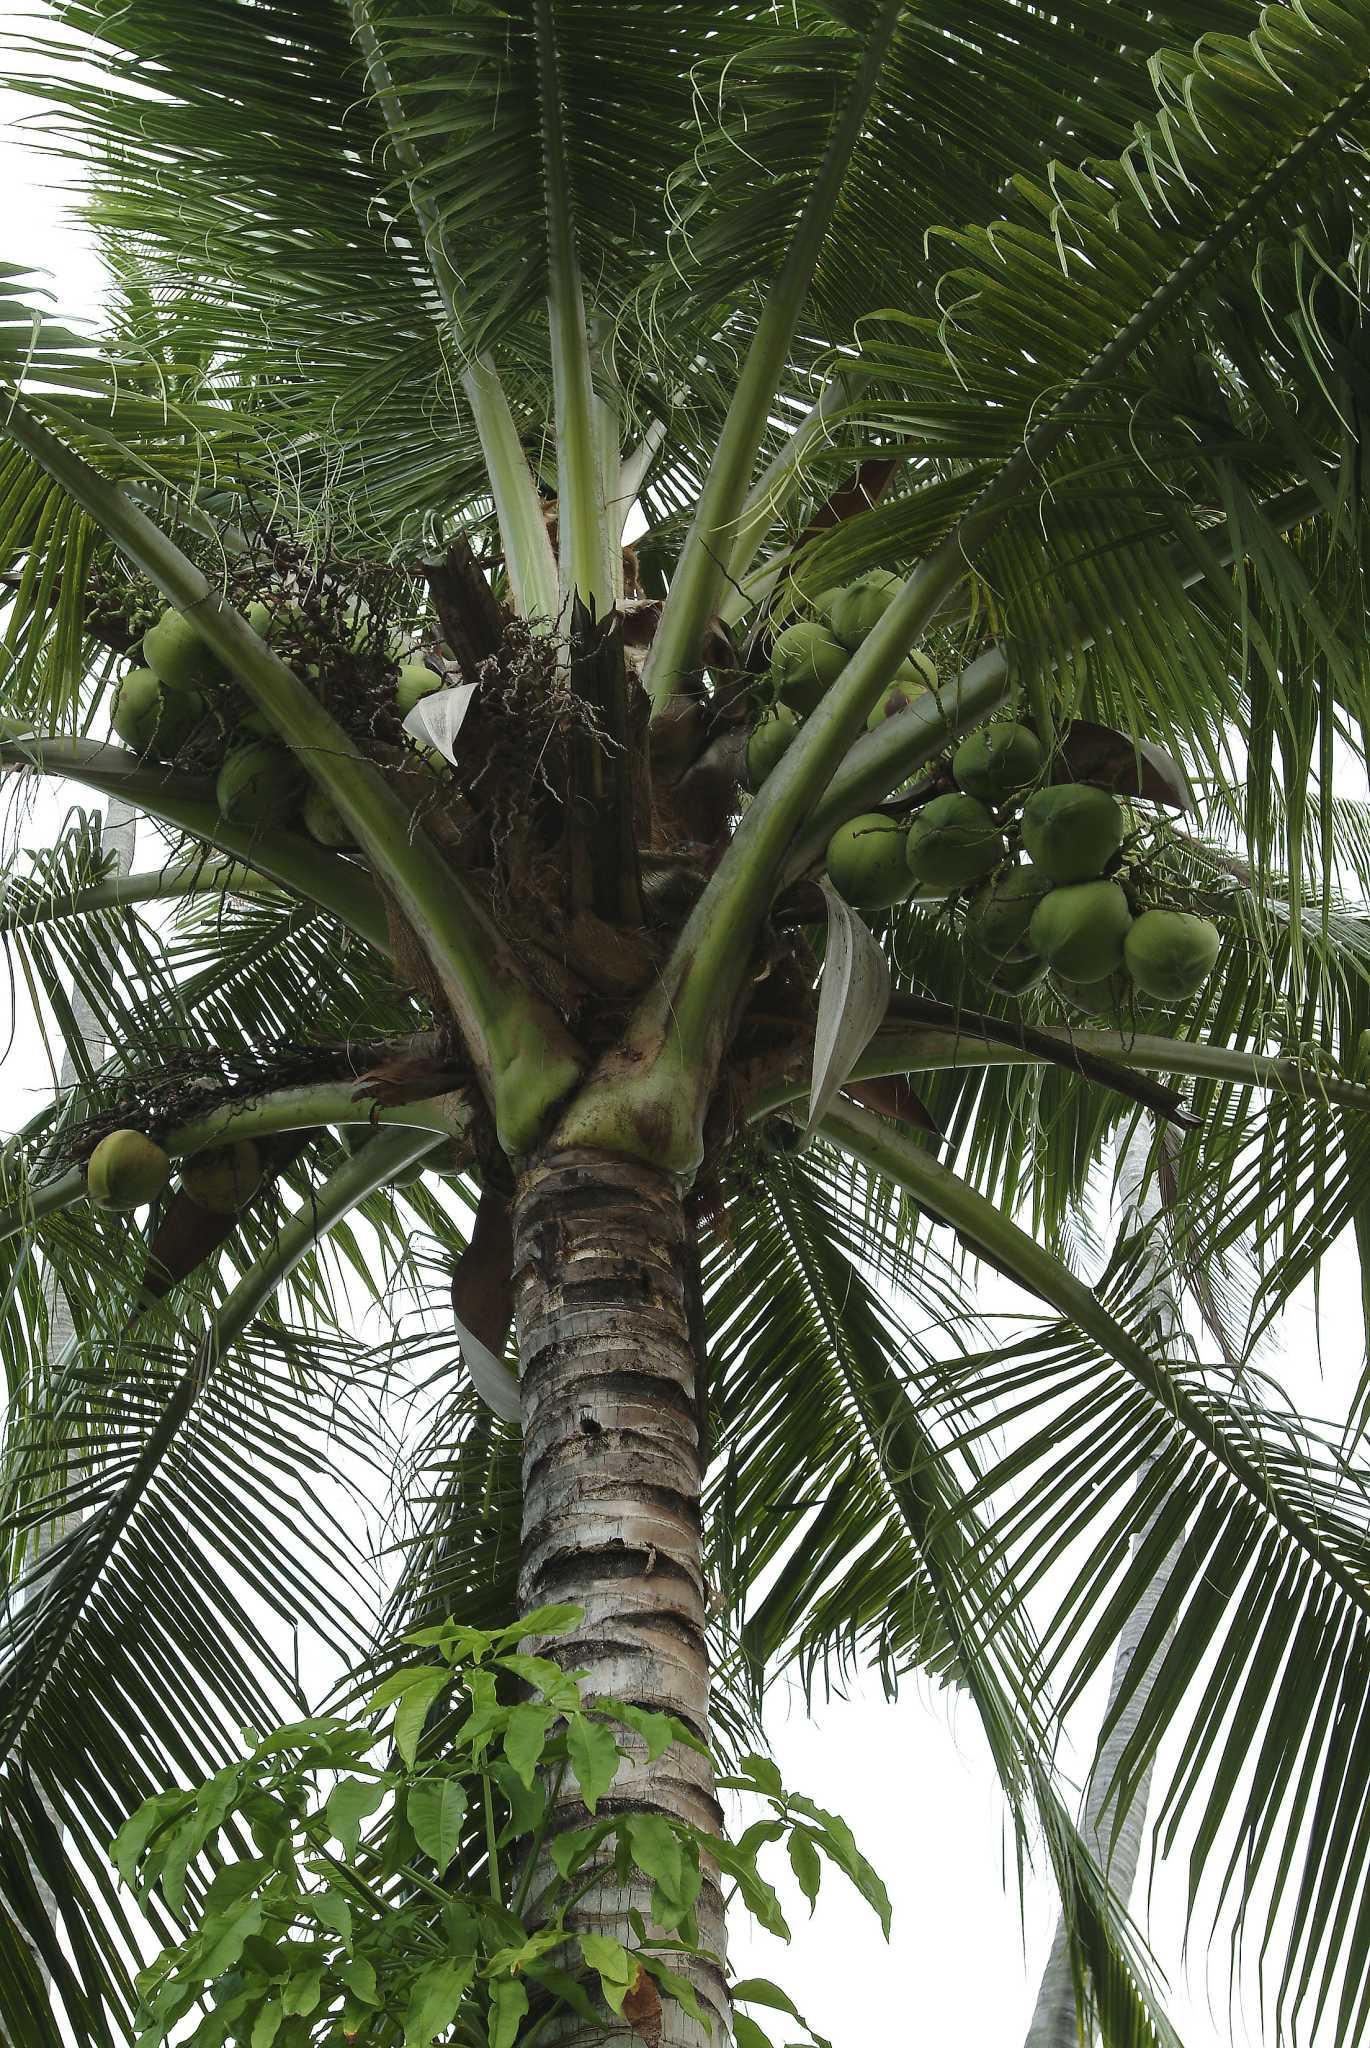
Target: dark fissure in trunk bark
612,1476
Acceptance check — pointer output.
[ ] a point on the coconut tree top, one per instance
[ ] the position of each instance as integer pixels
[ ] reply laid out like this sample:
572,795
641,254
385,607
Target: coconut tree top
742,626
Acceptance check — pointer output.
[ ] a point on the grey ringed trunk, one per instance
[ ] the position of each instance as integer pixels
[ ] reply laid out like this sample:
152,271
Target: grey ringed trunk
611,1489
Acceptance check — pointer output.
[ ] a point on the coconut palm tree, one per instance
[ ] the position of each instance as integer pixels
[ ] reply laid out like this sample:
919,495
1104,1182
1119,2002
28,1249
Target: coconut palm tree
483,954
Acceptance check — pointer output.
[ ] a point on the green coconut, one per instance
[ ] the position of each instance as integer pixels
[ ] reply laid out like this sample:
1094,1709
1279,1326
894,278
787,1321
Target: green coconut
1170,954
1002,912
913,679
323,820
1093,998
1079,930
896,698
179,656
258,784
866,864
125,1170
1010,977
952,841
225,1179
768,741
1072,830
858,607
449,1160
152,719
406,1176
998,761
416,680
805,661
258,616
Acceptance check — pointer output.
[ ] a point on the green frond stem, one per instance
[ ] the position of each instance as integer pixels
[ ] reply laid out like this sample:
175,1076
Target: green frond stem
46,1200
191,878
943,1195
313,1105
528,558
291,859
768,496
582,531
699,577
523,1054
922,1049
632,473
360,1176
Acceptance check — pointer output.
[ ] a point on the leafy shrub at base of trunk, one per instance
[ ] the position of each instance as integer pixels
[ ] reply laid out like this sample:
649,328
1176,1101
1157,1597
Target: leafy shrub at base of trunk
399,1891
952,841
1079,930
126,1170
1171,953
866,863
1072,830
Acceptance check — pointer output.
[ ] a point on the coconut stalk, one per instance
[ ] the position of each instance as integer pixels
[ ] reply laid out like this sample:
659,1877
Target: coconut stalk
1117,1842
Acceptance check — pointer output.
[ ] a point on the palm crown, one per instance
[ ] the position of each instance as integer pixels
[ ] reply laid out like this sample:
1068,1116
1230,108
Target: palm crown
1058,315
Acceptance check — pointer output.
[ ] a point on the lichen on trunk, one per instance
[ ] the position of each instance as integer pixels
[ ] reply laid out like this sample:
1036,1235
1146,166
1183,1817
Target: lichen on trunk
612,1469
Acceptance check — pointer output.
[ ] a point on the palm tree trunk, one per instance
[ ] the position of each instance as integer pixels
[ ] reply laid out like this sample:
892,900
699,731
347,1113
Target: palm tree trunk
612,1469
1054,2022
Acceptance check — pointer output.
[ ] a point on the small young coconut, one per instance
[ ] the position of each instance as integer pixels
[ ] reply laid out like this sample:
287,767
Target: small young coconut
323,820
1010,977
259,784
1170,954
125,1170
416,680
152,719
1094,998
258,616
914,678
998,761
178,655
1079,930
225,1179
866,864
952,841
1072,830
859,606
805,661
770,737
1002,911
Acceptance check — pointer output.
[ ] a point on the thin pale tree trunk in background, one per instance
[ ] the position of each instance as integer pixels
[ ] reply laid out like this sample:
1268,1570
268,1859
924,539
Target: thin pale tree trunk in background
117,836
1055,2023
612,1476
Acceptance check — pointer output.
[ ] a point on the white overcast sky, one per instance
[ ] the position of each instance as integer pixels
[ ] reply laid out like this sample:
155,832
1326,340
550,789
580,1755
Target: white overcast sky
913,1779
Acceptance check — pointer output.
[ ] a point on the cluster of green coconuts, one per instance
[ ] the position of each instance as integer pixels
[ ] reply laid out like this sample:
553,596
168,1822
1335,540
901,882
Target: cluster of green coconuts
159,705
1060,911
810,655
128,1169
